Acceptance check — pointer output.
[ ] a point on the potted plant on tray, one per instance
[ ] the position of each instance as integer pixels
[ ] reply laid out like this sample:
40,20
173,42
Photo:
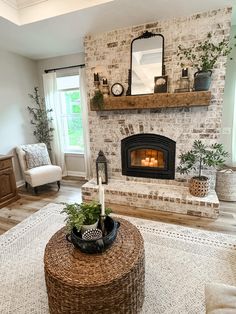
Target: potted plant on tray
83,216
203,56
199,156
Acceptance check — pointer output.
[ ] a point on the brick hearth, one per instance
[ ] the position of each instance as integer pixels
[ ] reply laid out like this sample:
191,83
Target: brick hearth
158,197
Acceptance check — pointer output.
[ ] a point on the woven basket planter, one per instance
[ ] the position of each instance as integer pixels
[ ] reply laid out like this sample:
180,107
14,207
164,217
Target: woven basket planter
226,185
198,187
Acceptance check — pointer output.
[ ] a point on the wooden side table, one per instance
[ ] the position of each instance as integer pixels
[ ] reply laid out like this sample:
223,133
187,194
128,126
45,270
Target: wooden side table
8,190
111,282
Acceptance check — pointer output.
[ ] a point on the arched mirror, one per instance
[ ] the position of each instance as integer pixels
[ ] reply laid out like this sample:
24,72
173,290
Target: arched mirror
147,62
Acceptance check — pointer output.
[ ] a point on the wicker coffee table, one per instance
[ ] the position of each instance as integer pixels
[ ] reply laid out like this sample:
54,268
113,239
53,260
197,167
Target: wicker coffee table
111,282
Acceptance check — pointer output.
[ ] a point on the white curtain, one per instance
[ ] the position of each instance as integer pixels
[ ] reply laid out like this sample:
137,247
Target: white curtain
84,109
52,102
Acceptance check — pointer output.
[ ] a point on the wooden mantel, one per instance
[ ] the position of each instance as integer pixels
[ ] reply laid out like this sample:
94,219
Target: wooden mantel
155,101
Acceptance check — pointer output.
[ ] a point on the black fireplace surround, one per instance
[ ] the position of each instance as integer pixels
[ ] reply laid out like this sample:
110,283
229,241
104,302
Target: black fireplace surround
149,156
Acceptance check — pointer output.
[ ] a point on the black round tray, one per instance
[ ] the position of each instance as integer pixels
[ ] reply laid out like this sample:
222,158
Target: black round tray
95,246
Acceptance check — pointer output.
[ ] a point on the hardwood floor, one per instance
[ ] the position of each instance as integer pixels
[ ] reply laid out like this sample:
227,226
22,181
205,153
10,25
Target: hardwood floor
70,192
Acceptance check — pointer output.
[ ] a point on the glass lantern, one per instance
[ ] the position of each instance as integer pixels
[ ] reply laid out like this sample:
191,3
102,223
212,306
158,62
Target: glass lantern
101,168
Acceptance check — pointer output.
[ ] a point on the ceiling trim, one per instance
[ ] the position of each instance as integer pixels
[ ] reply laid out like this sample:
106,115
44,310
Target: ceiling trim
11,3
22,4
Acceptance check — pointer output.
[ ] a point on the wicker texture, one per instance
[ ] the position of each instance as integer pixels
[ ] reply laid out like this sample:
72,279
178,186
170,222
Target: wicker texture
198,187
226,185
112,282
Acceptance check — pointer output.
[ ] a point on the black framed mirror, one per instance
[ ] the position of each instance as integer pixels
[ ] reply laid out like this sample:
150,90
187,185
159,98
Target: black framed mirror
146,63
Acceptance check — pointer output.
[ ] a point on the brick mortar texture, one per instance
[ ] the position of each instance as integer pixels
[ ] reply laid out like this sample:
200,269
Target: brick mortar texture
111,50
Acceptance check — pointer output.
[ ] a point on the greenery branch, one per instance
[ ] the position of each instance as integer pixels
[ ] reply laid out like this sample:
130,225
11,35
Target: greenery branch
98,100
41,120
201,155
204,55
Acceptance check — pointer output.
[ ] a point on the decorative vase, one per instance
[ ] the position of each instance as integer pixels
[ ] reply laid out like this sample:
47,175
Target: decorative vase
202,80
199,186
88,227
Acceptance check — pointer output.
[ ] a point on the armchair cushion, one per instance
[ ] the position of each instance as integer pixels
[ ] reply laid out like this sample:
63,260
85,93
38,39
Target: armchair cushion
43,175
39,175
36,155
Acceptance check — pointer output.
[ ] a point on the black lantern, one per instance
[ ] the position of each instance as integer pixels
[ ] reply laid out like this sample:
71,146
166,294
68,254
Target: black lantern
101,168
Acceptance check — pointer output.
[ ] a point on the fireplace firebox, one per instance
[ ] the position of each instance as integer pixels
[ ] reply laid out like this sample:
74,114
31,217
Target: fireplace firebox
148,156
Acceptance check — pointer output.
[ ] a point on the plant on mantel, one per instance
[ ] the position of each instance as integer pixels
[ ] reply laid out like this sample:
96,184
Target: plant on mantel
98,100
199,156
203,57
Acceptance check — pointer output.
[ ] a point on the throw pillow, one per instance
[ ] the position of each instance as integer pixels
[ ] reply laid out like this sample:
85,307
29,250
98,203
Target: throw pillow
36,155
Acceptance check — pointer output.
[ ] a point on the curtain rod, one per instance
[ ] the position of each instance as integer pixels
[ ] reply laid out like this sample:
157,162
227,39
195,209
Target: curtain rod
69,67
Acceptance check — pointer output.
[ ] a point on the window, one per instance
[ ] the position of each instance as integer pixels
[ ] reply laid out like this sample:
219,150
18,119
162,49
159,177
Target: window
71,116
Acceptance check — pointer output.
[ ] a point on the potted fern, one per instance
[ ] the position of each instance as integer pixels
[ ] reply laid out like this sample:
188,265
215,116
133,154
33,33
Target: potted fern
83,216
203,56
199,156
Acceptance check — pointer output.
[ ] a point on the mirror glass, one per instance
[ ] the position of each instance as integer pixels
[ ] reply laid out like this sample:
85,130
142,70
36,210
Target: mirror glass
147,52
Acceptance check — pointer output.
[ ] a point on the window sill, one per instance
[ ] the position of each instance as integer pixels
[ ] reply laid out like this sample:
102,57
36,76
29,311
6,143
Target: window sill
74,154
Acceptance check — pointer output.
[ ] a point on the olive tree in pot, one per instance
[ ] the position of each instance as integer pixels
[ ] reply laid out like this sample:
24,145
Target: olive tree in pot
196,159
203,56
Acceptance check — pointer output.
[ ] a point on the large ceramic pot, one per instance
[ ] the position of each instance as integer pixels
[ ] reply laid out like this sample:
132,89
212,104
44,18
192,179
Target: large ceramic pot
199,186
202,80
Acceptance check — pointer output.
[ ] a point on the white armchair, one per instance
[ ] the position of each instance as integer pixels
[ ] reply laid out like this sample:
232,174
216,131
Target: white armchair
36,166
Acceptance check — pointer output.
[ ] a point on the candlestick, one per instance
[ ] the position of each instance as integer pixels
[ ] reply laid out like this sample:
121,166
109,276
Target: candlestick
152,159
101,192
103,202
101,197
95,77
150,164
102,224
147,159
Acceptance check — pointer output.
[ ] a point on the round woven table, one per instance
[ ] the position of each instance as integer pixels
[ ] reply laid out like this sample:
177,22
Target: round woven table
111,282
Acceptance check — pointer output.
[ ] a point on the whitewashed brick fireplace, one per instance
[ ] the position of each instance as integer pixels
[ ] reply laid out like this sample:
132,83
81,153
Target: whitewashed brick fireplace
112,51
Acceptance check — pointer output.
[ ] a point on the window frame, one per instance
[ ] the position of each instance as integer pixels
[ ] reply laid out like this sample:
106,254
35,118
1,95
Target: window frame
68,149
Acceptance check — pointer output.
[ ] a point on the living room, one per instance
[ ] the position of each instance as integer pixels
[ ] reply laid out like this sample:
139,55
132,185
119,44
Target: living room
114,90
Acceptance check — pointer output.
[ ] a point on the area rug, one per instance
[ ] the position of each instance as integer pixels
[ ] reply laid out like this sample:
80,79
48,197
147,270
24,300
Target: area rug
179,262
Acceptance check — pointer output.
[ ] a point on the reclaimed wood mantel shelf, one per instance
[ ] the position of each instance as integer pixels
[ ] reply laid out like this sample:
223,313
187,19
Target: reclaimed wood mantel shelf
155,101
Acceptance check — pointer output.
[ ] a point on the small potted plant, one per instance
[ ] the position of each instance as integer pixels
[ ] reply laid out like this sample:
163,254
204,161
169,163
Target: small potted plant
203,56
199,156
83,216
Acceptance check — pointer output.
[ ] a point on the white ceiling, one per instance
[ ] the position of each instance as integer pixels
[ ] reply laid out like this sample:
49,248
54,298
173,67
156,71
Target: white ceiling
64,34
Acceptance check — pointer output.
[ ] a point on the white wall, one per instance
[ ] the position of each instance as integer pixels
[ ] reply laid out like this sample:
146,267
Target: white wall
18,76
74,162
229,98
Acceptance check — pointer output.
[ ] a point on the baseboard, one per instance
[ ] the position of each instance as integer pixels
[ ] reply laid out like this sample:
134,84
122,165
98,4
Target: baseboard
76,174
20,183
